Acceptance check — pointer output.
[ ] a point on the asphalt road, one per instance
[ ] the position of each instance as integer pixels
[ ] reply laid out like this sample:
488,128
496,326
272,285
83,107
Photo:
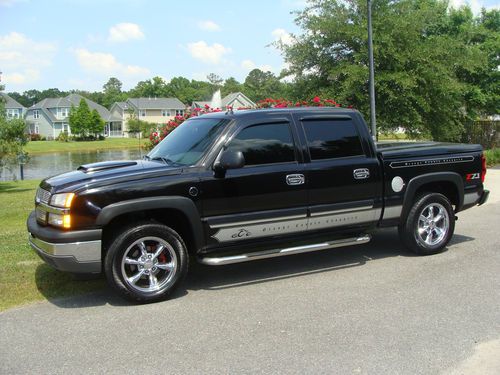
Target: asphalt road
371,309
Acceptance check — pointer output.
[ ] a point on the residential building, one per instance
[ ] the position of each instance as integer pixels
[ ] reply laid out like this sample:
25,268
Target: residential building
50,116
153,110
12,108
234,100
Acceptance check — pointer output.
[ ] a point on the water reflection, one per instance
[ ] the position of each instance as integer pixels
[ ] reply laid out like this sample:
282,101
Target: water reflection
44,165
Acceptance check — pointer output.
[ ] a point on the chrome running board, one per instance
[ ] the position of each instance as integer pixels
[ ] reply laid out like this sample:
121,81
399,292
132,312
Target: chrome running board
219,261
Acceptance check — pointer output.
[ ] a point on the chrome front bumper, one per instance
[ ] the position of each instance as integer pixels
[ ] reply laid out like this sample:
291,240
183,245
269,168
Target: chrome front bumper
76,257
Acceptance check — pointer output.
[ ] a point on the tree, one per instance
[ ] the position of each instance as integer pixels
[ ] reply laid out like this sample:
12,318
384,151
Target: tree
112,92
420,62
12,137
260,85
96,125
215,80
80,119
155,87
231,85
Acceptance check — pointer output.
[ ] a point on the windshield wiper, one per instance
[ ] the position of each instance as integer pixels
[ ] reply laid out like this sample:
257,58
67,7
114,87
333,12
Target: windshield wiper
163,159
146,157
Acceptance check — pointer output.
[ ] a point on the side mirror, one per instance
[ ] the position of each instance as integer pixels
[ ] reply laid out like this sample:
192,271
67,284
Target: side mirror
228,160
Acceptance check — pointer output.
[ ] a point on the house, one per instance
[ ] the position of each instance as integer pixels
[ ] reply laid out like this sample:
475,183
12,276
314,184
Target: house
50,116
234,100
153,110
12,108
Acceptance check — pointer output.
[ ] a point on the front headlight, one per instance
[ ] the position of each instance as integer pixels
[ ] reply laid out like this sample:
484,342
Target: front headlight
62,200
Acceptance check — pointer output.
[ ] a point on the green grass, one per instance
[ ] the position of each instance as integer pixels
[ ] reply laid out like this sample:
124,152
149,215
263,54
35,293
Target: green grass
24,278
492,157
40,147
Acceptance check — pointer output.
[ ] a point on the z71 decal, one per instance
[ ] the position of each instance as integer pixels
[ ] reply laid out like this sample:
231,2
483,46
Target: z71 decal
473,176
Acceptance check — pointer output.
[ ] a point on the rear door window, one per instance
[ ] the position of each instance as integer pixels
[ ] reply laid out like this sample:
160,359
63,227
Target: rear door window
332,138
265,144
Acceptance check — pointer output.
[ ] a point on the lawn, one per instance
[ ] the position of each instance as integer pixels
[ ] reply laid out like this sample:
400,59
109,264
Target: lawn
492,157
24,277
40,147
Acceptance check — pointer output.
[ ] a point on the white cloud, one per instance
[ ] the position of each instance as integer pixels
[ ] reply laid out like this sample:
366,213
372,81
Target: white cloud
123,32
208,26
281,35
9,3
249,65
22,59
106,64
208,54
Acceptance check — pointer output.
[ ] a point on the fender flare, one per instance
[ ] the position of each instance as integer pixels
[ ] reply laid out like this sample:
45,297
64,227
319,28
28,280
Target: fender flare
182,204
416,182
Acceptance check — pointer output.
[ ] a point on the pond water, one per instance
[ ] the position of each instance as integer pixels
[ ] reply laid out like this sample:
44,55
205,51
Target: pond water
43,165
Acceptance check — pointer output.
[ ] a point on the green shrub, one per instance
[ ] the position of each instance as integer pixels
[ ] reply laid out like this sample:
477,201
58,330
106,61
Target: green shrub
63,137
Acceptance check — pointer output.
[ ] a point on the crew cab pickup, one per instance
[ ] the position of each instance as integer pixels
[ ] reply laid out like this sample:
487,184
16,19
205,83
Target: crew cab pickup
234,187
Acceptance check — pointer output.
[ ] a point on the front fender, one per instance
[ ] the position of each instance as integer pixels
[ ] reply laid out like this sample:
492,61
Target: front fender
182,204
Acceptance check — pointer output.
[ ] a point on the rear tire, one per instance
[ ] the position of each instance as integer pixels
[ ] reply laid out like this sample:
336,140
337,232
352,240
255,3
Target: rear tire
146,262
429,225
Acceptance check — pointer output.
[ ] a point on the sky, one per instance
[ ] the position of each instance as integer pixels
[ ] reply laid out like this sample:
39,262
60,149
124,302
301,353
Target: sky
80,44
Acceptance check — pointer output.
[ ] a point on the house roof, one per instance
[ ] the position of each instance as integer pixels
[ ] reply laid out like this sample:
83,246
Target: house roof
236,95
200,104
10,103
156,103
68,101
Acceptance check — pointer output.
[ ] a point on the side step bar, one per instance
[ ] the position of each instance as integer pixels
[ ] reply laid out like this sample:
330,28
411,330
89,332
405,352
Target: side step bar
219,261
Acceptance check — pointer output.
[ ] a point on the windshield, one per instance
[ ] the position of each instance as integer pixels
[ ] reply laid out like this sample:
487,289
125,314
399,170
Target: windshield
189,141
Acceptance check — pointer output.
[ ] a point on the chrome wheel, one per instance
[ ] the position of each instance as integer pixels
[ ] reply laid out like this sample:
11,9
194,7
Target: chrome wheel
433,225
149,265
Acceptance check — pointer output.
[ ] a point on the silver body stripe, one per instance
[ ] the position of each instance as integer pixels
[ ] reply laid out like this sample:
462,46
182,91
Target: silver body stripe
425,162
392,212
338,218
333,212
246,222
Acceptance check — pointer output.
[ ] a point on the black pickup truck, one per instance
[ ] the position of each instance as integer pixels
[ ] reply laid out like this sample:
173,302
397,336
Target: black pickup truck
234,187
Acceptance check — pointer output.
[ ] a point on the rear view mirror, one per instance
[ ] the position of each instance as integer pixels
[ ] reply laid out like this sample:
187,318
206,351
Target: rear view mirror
228,160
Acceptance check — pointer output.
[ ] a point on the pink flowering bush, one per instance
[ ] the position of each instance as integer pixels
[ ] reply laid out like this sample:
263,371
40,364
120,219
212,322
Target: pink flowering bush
158,135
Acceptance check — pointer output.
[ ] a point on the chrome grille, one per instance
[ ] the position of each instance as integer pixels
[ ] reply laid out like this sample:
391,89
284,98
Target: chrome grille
42,196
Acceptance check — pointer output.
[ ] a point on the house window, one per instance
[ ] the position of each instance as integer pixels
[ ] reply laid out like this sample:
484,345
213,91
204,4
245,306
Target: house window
142,113
179,112
165,113
65,127
36,113
62,112
12,113
37,128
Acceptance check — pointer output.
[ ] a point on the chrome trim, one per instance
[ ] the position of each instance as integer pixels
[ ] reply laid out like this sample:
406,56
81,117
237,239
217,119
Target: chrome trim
333,212
53,210
392,212
219,261
42,196
246,222
87,251
295,179
471,198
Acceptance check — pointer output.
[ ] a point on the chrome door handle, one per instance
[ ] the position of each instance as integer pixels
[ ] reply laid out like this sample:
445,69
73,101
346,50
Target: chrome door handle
295,179
361,173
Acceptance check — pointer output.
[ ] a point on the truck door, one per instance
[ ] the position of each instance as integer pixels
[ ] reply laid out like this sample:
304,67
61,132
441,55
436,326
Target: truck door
342,173
267,197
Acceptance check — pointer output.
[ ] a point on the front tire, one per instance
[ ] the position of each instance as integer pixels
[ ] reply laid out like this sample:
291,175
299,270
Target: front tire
146,262
429,225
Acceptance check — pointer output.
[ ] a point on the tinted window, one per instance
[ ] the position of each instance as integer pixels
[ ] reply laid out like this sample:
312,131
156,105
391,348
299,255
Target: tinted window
265,144
332,138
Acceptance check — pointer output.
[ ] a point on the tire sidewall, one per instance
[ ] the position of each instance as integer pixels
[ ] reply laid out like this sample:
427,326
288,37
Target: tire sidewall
411,227
114,256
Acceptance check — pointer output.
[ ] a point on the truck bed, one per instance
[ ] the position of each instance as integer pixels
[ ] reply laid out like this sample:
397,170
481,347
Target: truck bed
401,150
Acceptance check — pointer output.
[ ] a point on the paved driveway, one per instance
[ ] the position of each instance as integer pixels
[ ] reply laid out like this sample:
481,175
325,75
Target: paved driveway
372,309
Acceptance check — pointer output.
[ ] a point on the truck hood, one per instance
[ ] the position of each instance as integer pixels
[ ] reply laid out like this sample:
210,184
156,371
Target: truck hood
107,172
397,150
